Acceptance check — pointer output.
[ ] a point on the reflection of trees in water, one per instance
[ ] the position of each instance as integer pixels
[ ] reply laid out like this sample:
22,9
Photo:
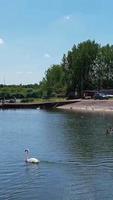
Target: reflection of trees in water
88,134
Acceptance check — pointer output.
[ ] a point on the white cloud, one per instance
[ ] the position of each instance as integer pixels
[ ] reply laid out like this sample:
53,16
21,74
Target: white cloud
67,17
1,41
19,72
47,55
29,72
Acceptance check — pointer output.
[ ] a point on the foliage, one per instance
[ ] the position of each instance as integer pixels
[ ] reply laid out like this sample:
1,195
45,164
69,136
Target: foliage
53,83
102,68
19,91
78,65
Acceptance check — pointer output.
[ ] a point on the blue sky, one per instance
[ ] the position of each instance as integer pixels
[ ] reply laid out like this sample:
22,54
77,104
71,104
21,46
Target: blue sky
34,34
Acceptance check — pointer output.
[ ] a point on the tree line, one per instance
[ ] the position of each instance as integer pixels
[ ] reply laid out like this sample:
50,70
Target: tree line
87,66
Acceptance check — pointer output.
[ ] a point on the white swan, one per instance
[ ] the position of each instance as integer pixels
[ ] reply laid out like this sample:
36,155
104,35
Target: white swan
30,160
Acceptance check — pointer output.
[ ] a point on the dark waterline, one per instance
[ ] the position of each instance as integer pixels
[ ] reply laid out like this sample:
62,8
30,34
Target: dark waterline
76,155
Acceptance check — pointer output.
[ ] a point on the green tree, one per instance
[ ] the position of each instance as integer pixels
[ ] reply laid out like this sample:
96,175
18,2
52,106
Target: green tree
102,68
78,64
54,80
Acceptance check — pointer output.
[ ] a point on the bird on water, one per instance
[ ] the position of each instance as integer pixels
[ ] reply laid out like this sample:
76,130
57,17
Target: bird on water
30,160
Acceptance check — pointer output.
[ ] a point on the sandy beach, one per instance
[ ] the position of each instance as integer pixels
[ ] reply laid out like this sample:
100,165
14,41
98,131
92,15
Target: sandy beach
90,106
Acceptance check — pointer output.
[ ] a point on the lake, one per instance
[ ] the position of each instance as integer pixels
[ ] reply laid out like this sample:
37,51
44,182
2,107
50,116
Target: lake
76,156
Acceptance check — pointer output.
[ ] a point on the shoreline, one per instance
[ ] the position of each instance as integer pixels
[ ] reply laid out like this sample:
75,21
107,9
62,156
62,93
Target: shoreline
105,106
41,105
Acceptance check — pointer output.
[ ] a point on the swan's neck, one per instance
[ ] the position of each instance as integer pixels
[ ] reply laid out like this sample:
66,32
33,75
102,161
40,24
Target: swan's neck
27,157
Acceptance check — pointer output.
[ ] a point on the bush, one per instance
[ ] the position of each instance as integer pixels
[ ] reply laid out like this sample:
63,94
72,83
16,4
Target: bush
27,100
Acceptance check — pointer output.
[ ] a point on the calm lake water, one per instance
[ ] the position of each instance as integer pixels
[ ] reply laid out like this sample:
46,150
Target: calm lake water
76,156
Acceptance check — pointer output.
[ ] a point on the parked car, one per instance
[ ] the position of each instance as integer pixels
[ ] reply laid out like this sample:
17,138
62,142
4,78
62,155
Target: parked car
109,95
12,101
100,96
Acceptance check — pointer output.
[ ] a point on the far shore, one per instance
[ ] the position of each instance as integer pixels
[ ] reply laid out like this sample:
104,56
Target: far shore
90,106
80,105
42,105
